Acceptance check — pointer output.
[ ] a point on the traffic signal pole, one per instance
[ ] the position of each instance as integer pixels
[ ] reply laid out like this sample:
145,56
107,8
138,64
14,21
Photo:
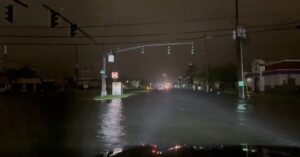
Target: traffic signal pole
103,71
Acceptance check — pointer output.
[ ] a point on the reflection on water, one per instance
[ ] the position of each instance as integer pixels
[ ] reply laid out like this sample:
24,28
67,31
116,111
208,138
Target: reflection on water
241,110
111,130
241,106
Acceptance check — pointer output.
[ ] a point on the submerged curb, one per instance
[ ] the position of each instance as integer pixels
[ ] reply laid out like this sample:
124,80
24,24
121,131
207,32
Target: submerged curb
111,97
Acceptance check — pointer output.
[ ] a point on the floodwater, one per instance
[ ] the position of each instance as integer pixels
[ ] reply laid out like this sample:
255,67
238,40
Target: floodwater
63,124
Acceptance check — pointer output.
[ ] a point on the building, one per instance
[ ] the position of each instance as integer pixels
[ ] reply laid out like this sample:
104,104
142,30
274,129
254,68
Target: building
274,75
255,79
29,84
4,84
282,74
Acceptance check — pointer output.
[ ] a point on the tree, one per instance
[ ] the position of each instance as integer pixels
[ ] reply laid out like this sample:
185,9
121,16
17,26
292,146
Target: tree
26,72
191,73
226,75
22,72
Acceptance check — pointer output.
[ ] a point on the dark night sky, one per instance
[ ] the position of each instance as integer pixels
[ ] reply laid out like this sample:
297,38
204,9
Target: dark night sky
170,18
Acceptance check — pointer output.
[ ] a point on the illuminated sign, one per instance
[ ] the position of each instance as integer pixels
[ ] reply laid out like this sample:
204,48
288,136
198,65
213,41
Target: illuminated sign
114,75
111,58
241,83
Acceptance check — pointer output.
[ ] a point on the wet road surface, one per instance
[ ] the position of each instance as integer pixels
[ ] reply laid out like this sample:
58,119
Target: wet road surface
75,124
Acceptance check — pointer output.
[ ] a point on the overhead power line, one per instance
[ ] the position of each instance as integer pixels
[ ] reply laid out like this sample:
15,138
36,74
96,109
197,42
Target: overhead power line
76,44
248,32
139,42
150,34
155,23
64,36
248,27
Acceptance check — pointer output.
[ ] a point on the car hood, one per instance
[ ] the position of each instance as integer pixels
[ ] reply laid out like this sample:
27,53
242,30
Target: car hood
205,151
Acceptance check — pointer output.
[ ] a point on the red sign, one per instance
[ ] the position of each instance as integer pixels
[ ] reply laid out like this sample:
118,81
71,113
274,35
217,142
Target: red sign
114,75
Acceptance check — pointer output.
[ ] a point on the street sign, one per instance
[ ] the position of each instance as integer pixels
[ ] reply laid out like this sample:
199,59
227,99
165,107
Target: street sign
241,83
114,75
241,32
102,72
111,58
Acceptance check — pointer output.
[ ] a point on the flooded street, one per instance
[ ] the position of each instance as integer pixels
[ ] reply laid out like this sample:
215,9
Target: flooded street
75,124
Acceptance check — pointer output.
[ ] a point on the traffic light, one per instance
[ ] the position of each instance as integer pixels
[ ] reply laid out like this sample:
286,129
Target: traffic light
114,50
54,19
10,13
73,30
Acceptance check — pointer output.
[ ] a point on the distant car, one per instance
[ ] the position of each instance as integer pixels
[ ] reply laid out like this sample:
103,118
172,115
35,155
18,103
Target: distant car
160,88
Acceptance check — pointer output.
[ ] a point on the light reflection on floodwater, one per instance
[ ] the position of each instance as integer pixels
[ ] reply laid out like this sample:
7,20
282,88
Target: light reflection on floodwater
241,110
111,129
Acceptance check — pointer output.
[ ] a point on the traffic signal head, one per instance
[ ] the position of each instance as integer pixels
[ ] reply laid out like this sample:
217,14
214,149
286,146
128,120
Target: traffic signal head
73,30
10,13
53,19
114,50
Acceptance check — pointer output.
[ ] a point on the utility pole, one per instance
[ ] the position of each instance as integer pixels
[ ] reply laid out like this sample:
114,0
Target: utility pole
206,64
103,73
239,36
4,58
76,64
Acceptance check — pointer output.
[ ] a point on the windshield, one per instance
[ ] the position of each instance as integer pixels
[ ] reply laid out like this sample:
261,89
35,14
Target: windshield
79,78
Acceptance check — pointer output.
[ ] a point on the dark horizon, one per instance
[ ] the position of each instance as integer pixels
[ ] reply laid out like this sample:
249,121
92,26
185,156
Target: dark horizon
271,27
